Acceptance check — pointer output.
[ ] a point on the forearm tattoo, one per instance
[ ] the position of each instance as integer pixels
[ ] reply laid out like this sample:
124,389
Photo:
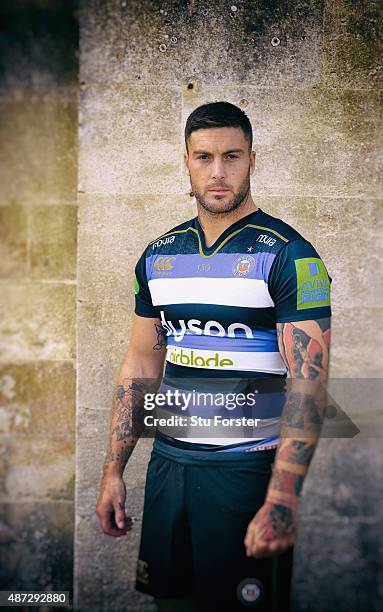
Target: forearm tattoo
291,464
127,422
286,481
304,411
304,346
298,452
161,337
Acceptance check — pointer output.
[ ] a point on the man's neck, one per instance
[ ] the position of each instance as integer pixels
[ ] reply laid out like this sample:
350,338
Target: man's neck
214,225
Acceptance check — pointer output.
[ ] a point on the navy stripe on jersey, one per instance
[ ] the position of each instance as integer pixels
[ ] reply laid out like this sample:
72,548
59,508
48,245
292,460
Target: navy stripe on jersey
262,341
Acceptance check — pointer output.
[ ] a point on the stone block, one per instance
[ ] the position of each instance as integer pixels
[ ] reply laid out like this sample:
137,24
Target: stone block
37,322
53,242
38,398
130,112
356,343
36,546
38,158
261,44
39,467
91,442
331,486
109,280
103,333
354,225
351,44
13,242
130,169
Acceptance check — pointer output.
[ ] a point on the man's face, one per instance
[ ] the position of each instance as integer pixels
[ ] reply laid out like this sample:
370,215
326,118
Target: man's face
219,165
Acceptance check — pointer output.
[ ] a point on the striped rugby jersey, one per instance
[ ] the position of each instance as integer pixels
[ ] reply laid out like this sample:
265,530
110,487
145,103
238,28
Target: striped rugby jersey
220,304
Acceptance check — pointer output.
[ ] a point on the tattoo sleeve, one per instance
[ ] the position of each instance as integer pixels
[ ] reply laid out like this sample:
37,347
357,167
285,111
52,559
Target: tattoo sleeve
127,422
304,346
128,410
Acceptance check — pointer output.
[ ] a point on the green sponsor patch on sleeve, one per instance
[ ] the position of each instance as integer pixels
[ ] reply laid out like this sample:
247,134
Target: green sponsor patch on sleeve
313,283
136,286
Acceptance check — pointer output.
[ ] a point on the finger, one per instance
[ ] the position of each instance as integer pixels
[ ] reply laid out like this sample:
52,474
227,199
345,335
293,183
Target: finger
120,518
108,525
252,537
119,511
259,550
268,549
250,543
249,537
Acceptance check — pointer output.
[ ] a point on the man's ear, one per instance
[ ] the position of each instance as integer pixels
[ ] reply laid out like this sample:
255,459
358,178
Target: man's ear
186,163
252,162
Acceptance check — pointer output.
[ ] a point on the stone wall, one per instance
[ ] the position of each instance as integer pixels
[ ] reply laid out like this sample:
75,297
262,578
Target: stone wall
307,74
38,227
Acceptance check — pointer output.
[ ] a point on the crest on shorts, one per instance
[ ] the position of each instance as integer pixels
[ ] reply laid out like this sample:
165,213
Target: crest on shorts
249,591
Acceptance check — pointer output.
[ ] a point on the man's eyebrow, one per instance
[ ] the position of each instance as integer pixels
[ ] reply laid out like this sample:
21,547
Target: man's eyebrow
224,153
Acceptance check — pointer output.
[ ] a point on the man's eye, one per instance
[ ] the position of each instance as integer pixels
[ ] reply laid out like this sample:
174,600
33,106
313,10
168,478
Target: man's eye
202,157
232,156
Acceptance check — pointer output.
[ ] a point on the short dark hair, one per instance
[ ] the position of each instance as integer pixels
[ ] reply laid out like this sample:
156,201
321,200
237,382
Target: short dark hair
218,114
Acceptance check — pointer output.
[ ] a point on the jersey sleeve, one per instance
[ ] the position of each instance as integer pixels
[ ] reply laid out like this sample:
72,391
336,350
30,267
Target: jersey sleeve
299,283
143,300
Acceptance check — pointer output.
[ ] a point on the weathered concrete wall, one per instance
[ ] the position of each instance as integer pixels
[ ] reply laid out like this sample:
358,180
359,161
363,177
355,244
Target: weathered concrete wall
38,226
307,75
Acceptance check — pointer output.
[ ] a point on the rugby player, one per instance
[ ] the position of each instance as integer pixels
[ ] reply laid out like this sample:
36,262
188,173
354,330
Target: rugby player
233,293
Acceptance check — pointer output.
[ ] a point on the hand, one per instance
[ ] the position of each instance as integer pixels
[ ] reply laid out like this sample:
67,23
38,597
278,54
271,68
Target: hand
110,507
271,531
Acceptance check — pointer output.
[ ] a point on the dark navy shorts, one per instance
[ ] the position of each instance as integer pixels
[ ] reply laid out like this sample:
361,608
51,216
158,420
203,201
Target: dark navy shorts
197,507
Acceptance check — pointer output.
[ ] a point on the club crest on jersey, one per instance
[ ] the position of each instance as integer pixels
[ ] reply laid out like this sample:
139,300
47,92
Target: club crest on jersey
243,265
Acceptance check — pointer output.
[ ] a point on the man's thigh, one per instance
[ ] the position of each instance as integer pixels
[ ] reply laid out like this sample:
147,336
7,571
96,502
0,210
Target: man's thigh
164,567
221,502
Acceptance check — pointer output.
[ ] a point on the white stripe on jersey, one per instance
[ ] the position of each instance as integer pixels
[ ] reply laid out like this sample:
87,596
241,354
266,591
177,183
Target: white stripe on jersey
250,292
226,360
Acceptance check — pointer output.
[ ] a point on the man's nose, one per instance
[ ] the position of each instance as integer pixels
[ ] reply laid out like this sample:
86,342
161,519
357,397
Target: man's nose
217,170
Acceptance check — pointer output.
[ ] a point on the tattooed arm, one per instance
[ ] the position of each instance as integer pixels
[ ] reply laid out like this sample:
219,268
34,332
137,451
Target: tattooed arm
304,346
140,372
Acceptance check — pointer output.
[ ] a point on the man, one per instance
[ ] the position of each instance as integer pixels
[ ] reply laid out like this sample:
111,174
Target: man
231,295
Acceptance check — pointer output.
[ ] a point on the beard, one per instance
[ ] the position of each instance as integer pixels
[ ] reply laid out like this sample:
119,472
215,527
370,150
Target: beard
219,207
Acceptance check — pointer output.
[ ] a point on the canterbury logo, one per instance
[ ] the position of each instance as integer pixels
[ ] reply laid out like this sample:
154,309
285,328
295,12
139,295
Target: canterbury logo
163,263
